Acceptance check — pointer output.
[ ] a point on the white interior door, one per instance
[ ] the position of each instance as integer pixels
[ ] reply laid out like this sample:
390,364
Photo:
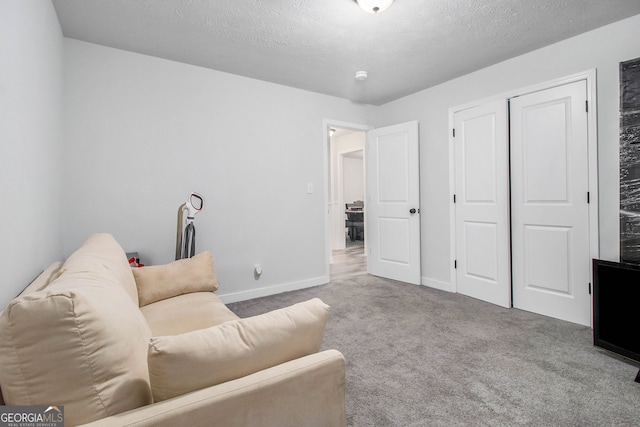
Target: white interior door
482,203
393,202
549,211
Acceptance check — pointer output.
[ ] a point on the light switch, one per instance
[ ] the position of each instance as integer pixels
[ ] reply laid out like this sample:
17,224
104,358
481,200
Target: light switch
309,188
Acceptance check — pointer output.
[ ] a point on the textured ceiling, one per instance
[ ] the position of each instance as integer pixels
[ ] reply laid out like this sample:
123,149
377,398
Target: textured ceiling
318,45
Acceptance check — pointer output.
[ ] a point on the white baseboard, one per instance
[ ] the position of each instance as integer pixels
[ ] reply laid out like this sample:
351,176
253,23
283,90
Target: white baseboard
437,284
272,290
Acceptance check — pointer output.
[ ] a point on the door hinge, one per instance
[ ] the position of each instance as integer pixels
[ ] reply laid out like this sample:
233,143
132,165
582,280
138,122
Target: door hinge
588,197
589,288
454,198
455,263
453,131
586,106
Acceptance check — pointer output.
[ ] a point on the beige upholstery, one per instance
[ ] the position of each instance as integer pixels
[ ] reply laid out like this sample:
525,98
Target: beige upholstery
83,347
182,363
183,276
308,392
77,337
185,313
101,253
47,276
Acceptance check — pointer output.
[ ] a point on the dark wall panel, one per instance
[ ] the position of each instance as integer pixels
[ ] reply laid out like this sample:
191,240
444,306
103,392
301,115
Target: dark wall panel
630,161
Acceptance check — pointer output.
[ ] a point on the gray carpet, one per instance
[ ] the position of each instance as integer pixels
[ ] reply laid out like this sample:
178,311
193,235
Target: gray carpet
417,356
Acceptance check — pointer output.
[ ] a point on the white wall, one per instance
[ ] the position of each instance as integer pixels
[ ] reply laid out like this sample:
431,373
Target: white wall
353,179
30,142
601,49
143,132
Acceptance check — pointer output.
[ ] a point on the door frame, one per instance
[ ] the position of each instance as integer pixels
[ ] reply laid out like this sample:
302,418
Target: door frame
326,125
592,142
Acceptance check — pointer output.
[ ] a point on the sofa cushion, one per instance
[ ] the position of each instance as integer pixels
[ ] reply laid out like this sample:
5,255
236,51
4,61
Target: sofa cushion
182,363
186,313
78,344
101,253
183,276
47,276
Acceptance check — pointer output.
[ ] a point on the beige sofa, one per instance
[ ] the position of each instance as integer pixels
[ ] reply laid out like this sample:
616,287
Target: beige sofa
155,346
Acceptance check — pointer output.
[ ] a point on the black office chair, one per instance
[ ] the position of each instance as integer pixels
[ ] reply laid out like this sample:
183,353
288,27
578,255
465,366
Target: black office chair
355,220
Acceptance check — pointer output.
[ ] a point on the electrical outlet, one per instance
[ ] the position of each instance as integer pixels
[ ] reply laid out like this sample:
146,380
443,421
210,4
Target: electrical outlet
309,188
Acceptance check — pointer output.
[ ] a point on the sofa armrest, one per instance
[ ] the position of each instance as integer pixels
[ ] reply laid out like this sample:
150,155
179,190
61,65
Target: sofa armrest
309,391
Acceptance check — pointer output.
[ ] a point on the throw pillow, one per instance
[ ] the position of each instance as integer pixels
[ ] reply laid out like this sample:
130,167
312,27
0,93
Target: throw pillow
183,276
182,363
84,347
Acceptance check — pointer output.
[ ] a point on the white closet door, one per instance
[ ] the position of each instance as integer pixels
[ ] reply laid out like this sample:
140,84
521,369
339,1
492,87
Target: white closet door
482,203
550,216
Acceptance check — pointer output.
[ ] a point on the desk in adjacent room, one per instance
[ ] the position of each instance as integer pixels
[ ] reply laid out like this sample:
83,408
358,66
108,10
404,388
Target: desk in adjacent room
354,221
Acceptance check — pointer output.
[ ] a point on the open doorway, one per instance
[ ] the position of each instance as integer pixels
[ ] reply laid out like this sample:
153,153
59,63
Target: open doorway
391,205
347,202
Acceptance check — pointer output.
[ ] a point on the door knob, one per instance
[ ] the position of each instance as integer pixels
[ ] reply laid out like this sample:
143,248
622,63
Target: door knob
412,210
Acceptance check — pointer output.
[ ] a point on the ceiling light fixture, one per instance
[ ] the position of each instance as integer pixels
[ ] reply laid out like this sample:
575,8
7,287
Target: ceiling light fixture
361,75
374,6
